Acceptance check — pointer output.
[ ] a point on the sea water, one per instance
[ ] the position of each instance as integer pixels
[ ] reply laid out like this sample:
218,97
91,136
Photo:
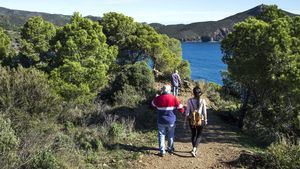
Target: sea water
205,59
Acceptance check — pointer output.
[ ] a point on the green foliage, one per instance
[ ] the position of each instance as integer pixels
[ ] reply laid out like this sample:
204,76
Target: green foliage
231,87
64,141
263,58
49,101
117,131
9,143
139,42
129,36
212,93
138,75
26,90
5,44
82,61
166,55
45,160
88,140
132,84
270,13
240,43
184,70
71,81
128,96
36,35
282,156
117,27
32,136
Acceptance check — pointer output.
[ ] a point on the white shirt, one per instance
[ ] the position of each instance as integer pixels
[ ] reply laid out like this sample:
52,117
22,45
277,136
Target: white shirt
192,105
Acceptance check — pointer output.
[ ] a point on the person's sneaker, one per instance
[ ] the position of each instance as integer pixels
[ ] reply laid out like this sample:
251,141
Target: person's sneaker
194,153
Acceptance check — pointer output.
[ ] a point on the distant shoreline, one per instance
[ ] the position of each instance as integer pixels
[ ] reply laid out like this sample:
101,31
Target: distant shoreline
200,42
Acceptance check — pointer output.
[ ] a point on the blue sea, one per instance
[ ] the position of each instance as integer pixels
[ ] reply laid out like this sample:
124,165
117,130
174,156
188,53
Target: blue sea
205,60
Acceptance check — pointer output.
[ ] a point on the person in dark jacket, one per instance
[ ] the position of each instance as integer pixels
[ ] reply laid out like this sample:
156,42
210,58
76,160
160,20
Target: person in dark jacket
166,105
176,82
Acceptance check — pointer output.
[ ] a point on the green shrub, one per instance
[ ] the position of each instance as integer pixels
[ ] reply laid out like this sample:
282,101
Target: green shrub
36,136
80,115
67,152
133,82
92,158
283,156
138,75
63,141
9,143
88,140
128,96
184,70
117,131
8,139
73,115
27,90
210,92
115,128
82,59
44,160
5,44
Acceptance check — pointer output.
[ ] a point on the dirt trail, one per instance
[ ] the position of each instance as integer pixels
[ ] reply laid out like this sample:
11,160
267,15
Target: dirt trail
219,144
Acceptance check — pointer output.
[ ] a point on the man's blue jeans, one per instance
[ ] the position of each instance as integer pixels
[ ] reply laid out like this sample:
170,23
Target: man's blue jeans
162,130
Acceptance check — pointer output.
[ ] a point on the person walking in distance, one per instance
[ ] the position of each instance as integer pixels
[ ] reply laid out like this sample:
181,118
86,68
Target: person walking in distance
166,105
196,114
176,82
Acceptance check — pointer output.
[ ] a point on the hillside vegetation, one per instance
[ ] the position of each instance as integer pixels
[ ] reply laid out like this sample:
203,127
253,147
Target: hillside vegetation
14,19
211,30
199,31
71,94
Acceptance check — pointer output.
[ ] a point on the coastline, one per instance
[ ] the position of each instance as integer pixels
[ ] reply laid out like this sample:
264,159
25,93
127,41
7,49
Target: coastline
205,60
200,41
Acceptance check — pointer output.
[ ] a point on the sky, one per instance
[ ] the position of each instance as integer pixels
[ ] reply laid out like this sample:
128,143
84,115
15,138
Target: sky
151,11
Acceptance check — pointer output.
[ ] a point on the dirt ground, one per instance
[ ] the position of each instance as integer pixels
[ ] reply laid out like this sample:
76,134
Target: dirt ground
219,144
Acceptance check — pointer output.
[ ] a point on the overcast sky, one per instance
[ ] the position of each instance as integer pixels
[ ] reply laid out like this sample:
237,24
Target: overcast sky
161,11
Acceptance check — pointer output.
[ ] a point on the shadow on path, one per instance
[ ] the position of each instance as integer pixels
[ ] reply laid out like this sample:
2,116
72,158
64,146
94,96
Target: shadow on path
216,131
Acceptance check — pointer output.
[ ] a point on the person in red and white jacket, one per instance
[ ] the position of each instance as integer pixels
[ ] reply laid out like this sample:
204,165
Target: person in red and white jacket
166,105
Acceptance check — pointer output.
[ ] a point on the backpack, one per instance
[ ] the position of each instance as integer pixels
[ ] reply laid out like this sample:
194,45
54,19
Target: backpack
195,117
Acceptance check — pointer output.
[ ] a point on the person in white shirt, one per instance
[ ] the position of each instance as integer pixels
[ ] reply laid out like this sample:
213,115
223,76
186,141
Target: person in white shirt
197,104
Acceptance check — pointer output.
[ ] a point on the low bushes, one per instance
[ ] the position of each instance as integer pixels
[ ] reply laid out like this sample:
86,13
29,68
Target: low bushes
9,143
27,90
131,86
282,155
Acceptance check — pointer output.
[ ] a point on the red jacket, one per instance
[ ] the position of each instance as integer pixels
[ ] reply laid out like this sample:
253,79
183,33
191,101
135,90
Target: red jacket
166,105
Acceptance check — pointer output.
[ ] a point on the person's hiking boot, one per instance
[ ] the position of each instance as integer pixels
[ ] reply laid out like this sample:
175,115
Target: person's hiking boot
171,151
161,154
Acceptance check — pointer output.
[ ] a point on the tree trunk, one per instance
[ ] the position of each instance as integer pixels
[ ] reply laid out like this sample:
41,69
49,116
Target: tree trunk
243,109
